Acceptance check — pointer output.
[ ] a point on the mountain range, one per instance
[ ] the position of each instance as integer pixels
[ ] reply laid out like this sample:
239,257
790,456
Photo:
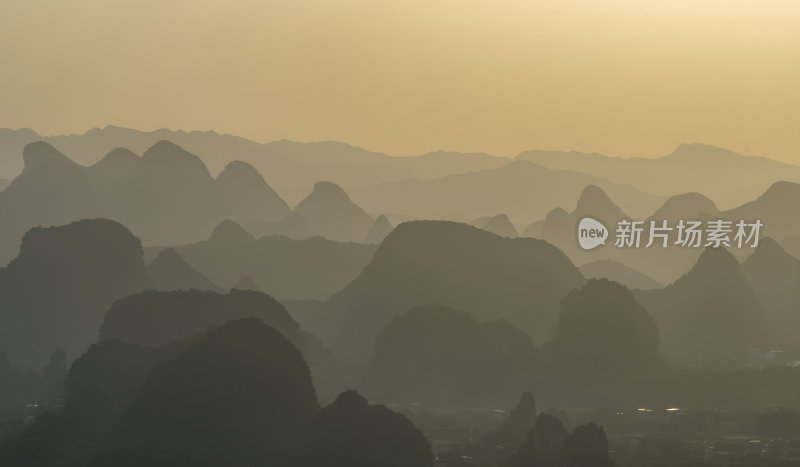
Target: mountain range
665,265
292,167
295,165
711,314
725,176
452,264
167,196
312,268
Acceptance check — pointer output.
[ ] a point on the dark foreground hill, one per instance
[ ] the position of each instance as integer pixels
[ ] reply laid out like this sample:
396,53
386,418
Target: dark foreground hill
169,271
55,292
437,355
154,318
618,272
351,432
456,265
603,330
235,397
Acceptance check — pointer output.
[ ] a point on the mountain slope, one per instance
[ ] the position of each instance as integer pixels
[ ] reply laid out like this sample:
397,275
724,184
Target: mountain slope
54,293
440,356
774,276
455,265
51,190
246,195
523,190
285,268
379,230
710,315
152,318
170,272
775,208
291,166
332,214
170,197
726,177
662,264
500,225
618,272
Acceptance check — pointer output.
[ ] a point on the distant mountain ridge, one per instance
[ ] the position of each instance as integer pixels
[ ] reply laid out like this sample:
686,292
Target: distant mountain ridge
524,191
314,267
299,164
725,176
167,196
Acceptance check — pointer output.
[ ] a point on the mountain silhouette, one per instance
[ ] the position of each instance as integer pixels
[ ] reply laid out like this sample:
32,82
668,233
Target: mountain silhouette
299,164
245,283
231,232
603,329
772,208
119,369
520,189
170,272
543,445
294,226
154,318
11,144
774,276
312,268
166,197
51,190
587,445
724,176
686,206
170,197
618,272
113,169
662,264
100,386
333,215
439,356
508,436
534,230
54,293
247,197
351,432
549,443
560,227
455,265
711,314
500,225
792,245
379,230
256,392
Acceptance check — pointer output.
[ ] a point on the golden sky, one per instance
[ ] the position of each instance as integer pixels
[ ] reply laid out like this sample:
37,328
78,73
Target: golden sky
627,78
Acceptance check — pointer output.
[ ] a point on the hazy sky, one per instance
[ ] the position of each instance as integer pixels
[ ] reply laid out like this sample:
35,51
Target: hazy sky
623,78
